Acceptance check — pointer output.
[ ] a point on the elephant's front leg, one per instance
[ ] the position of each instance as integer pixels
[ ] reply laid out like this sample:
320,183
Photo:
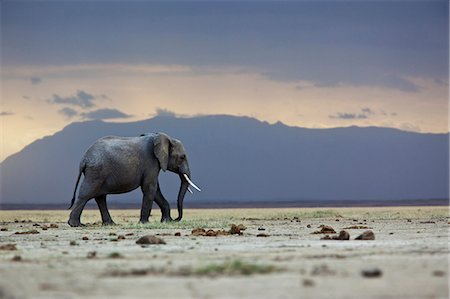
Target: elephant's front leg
149,193
163,205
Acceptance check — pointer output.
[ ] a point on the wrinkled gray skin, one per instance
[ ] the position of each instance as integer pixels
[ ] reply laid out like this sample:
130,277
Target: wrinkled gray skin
114,165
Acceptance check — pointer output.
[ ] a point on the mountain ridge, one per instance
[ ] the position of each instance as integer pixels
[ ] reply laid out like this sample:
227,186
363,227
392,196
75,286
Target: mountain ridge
250,156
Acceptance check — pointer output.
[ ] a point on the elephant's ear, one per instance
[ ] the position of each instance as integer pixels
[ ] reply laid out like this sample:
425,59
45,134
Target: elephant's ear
161,145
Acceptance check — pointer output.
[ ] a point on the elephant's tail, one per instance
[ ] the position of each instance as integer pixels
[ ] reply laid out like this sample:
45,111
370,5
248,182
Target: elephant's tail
82,167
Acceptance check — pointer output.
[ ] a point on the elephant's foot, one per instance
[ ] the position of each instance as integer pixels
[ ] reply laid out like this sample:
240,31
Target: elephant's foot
108,223
166,219
143,221
75,223
177,219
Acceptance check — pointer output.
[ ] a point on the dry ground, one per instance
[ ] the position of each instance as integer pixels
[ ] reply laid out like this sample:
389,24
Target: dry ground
410,253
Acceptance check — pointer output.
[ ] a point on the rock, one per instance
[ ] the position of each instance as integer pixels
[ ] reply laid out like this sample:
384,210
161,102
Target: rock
325,229
9,247
149,239
261,228
91,254
33,231
112,234
16,258
357,227
121,237
198,232
36,224
129,234
3,229
308,226
177,234
73,243
242,227
262,235
367,235
308,282
115,255
343,235
85,238
371,272
54,225
235,230
438,273
211,233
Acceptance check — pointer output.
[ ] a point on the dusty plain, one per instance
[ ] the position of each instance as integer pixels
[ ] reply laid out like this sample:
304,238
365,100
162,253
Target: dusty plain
407,259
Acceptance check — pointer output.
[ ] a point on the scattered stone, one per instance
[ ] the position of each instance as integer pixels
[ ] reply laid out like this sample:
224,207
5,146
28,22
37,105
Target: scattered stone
391,233
211,233
198,232
367,235
73,243
308,282
177,234
91,254
121,237
112,234
343,235
262,235
4,229
9,247
33,231
129,234
308,226
357,227
115,255
44,227
36,224
355,220
235,230
428,222
325,229
409,220
261,228
16,258
242,227
65,252
149,239
322,270
337,220
54,225
371,272
85,238
438,273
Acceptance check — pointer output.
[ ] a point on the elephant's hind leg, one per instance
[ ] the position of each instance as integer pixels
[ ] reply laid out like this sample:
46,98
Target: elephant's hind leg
87,192
106,217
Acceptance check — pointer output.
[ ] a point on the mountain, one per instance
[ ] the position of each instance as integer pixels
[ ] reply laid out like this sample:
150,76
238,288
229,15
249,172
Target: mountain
240,158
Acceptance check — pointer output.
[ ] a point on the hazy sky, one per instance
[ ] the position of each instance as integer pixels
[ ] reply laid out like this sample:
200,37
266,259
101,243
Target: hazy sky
312,64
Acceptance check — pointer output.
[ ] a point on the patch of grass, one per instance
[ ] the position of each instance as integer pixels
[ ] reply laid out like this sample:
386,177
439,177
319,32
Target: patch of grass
235,267
184,224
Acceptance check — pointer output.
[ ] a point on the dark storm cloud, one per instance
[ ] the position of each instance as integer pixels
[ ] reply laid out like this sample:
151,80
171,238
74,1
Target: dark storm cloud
347,115
106,113
68,112
359,43
82,99
35,80
165,112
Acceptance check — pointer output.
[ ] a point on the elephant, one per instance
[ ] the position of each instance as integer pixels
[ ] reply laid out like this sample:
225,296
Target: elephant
114,165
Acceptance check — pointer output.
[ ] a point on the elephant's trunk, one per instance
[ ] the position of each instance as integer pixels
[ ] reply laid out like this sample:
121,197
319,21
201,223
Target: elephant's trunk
182,192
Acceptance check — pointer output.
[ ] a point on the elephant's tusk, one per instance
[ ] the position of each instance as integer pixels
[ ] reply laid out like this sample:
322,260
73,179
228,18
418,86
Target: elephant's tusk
191,183
190,191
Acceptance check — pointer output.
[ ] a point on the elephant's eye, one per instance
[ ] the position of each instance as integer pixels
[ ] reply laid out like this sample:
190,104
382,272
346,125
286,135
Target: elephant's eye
182,157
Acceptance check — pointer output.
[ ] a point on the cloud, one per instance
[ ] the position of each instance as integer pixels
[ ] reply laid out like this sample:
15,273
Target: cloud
165,112
367,110
6,113
68,112
81,99
105,113
35,80
347,115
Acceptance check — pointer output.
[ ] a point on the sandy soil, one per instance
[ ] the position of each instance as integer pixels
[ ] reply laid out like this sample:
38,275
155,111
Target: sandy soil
410,254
